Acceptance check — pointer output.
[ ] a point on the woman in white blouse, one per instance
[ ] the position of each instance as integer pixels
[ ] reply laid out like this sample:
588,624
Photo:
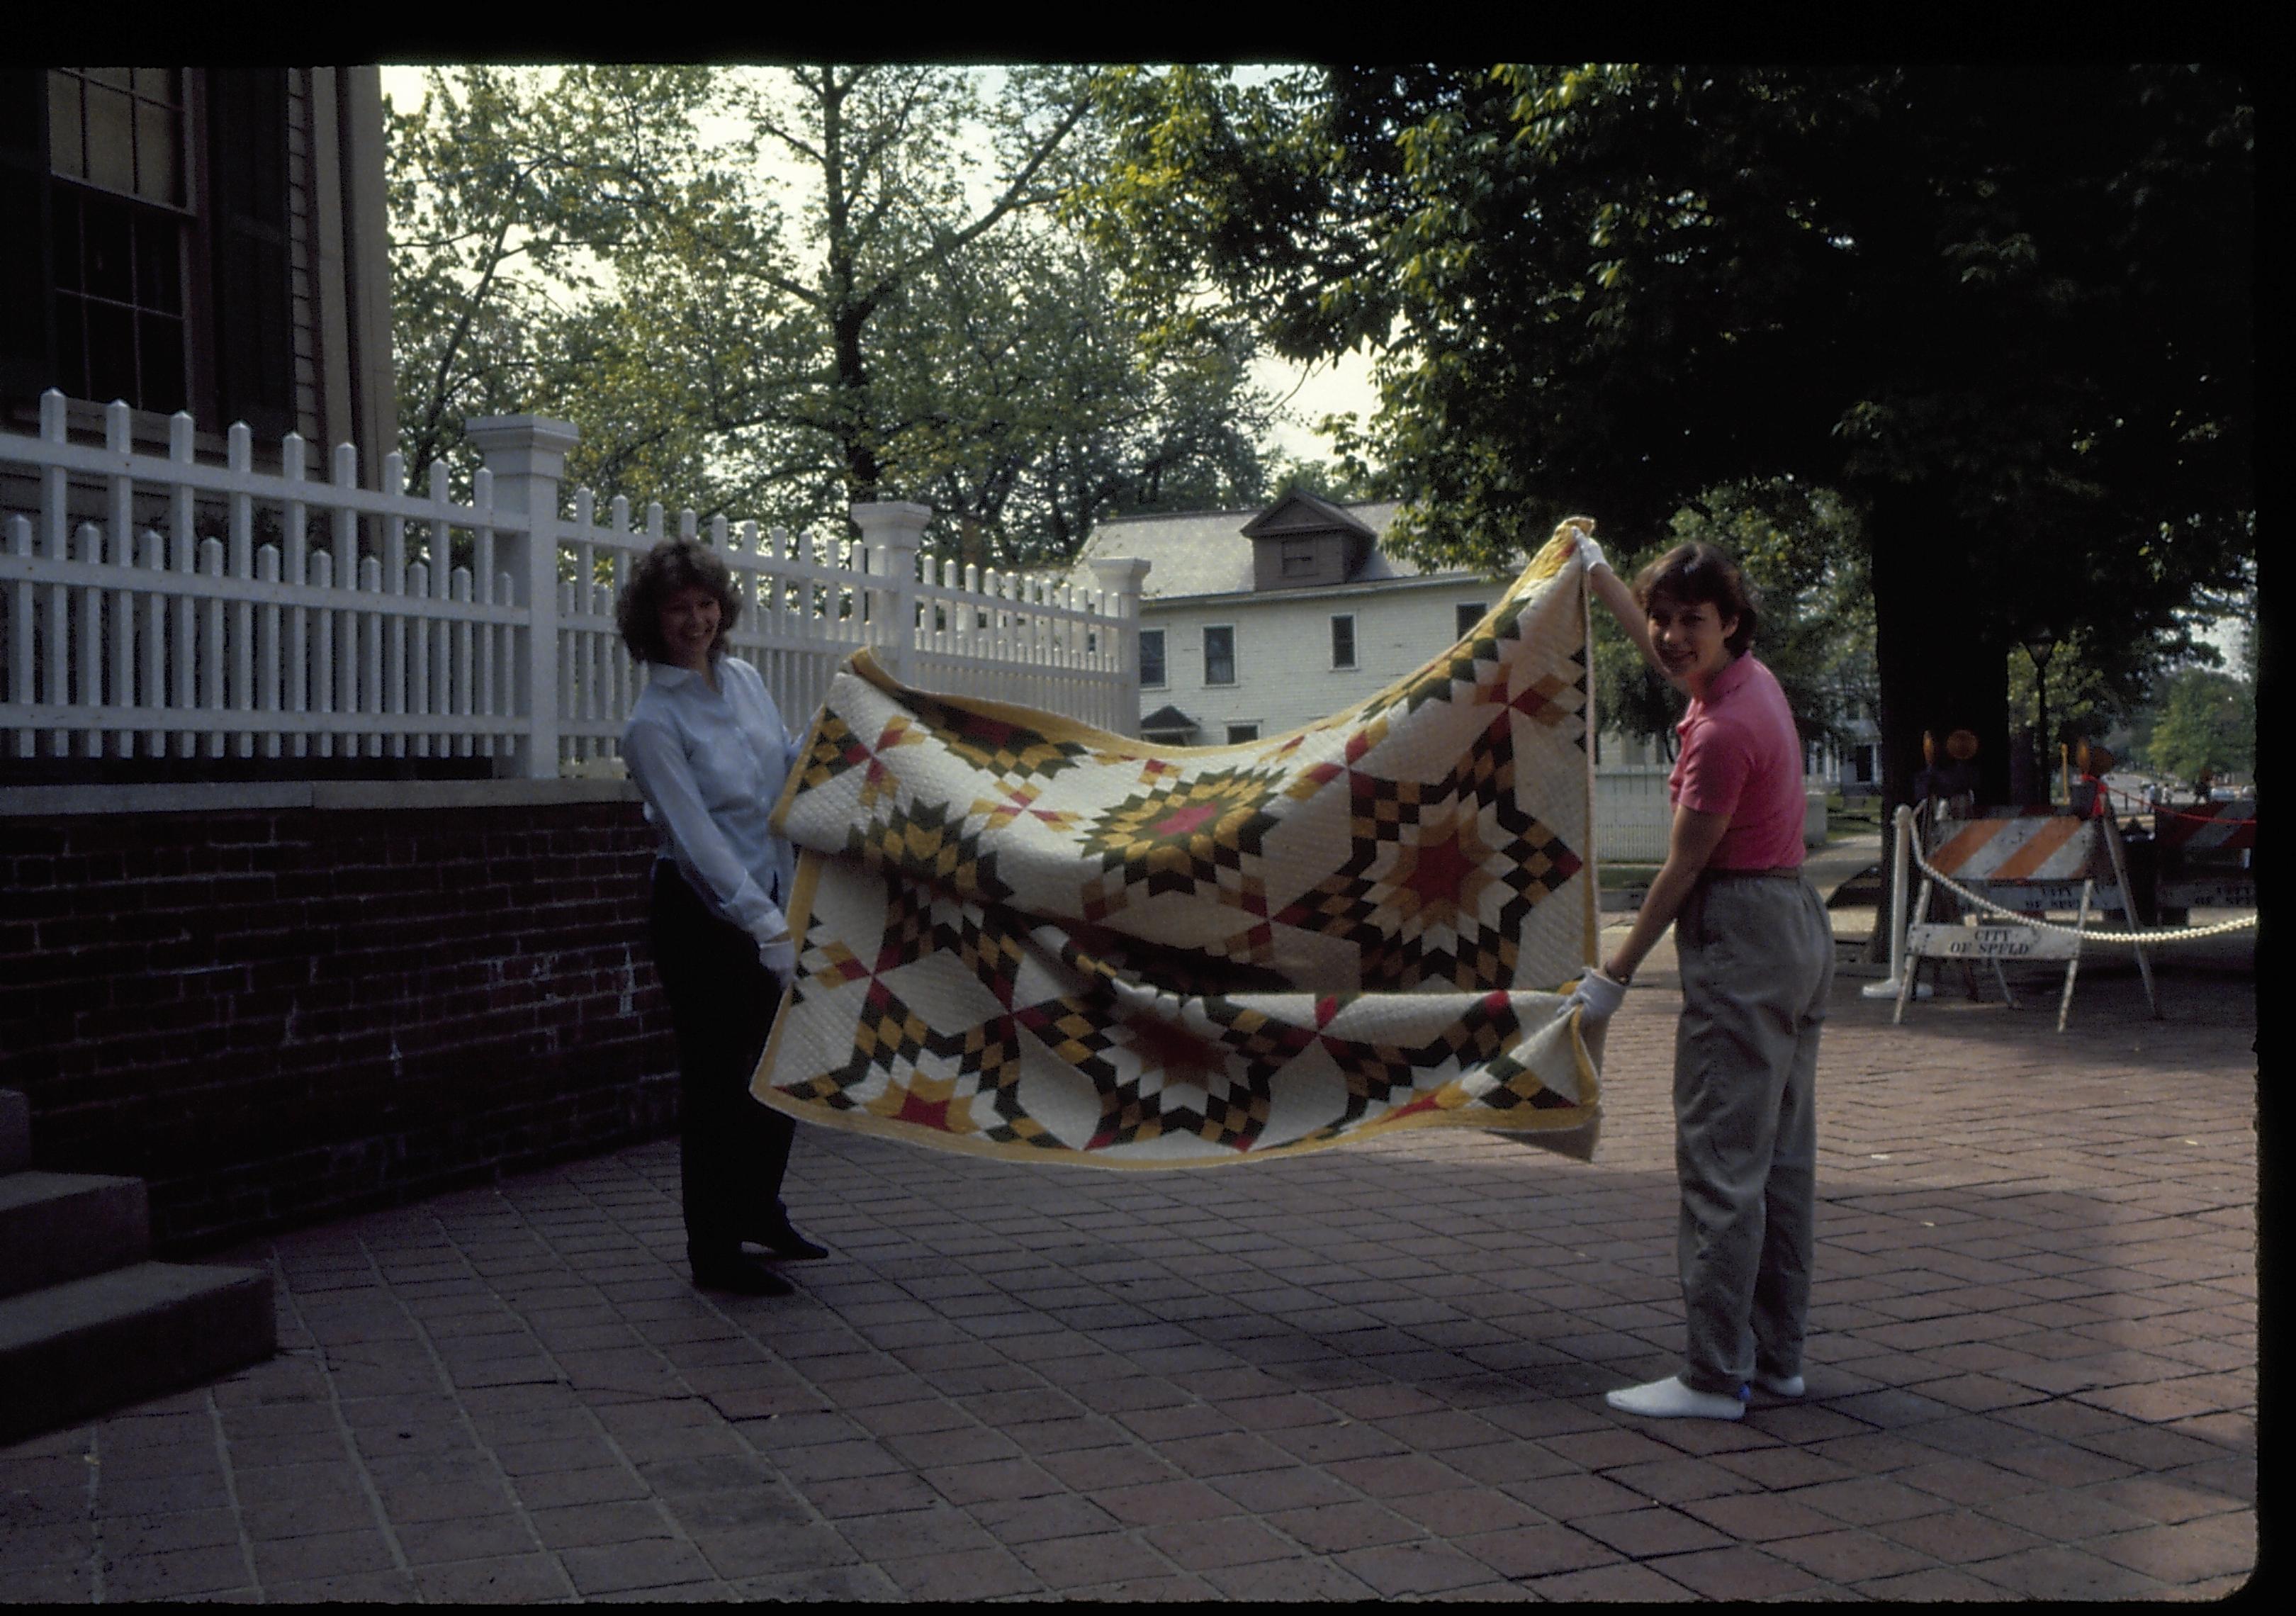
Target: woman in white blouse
709,752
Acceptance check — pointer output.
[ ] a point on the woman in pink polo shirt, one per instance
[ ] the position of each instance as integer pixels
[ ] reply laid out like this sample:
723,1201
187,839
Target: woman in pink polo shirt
1757,956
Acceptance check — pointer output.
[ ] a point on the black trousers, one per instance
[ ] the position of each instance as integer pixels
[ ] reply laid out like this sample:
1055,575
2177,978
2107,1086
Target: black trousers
731,1149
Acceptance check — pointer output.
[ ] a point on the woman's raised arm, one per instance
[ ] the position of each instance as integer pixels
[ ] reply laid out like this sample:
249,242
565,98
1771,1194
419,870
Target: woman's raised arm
1612,591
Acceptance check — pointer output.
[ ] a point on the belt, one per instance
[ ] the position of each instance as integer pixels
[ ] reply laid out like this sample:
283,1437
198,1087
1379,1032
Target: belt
1784,872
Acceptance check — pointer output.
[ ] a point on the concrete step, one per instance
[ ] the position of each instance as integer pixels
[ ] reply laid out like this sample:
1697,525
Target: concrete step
15,1131
63,1225
86,1345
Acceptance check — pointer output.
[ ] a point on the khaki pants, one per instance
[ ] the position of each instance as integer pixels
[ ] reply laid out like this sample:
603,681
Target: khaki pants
1757,956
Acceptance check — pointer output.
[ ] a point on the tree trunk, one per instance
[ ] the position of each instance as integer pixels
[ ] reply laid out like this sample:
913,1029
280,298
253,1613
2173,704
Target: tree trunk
1941,667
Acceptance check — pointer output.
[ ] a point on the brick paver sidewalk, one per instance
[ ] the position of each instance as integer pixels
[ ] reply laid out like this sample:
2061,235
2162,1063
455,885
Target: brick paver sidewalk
1371,1372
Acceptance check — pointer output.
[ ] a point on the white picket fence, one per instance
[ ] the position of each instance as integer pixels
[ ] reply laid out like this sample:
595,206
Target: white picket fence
1633,816
159,606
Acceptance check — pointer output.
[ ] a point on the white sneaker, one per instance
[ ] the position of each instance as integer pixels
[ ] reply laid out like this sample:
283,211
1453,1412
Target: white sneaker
1671,1400
1780,1385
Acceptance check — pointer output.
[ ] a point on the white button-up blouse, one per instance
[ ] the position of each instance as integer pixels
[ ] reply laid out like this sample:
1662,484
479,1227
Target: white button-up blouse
710,765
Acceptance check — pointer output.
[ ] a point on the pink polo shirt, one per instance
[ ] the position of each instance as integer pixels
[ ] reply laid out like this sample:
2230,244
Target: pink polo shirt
1742,756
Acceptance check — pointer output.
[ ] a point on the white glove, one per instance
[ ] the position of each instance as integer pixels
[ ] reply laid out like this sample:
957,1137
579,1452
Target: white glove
1597,995
780,957
1582,530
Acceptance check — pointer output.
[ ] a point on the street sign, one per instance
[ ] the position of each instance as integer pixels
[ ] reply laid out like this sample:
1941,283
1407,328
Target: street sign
2045,897
2005,941
2207,892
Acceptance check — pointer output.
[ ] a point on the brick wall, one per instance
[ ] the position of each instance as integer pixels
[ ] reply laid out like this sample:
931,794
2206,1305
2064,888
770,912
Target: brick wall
294,1001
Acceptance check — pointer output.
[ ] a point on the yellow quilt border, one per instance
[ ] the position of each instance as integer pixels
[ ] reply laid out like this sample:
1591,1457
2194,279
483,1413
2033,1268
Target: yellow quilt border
1549,561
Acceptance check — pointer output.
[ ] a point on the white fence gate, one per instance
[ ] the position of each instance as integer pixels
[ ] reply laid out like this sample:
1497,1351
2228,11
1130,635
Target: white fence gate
161,607
1633,818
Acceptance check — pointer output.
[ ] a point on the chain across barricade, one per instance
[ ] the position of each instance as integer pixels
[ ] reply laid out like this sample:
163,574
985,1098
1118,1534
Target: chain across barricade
2158,809
2161,935
2035,850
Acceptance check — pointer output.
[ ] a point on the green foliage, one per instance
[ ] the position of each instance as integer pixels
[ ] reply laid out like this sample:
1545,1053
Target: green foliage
2003,313
506,193
2206,720
1332,480
2090,691
1799,549
860,292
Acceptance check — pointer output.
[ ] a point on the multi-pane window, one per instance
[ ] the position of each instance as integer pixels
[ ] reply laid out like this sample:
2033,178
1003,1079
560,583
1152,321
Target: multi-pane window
1219,656
1237,734
1343,640
117,135
121,129
1151,656
1465,615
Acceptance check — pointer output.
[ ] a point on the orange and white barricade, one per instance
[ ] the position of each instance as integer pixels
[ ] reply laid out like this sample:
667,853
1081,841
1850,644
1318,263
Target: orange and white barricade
2207,854
2033,861
2205,827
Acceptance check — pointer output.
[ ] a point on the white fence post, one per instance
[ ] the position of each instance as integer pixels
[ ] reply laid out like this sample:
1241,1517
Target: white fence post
1120,578
527,454
891,531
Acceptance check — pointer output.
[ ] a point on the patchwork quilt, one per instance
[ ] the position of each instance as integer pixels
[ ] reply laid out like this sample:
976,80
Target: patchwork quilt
1022,937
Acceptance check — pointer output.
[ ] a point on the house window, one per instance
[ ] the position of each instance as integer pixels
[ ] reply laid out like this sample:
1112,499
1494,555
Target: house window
1219,656
1300,557
1237,734
148,214
1343,640
121,128
1152,657
1465,615
116,136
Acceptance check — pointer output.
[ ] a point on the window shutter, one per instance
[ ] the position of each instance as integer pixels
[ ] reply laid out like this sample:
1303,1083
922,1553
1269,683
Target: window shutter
28,366
248,221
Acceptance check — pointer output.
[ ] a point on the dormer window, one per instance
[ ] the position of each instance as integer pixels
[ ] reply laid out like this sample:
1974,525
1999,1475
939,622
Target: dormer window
1302,542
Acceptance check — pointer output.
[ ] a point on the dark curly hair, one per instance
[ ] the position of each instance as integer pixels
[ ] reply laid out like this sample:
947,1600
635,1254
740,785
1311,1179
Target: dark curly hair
1693,573
670,566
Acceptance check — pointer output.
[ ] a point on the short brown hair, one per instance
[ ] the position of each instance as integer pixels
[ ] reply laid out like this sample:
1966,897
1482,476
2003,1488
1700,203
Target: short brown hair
670,566
1694,573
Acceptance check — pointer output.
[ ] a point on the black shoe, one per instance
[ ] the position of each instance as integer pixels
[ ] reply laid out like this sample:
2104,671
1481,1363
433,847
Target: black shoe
783,1240
744,1274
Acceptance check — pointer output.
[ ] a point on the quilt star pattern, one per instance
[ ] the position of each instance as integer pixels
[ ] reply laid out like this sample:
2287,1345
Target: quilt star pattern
1024,936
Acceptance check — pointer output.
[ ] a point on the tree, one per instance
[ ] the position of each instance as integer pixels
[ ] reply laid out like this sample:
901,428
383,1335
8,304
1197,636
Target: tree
861,293
2003,314
1031,410
2090,691
1331,480
1797,550
504,193
2207,722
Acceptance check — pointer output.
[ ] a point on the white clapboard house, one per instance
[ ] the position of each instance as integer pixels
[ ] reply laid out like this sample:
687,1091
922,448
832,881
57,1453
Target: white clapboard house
1253,623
